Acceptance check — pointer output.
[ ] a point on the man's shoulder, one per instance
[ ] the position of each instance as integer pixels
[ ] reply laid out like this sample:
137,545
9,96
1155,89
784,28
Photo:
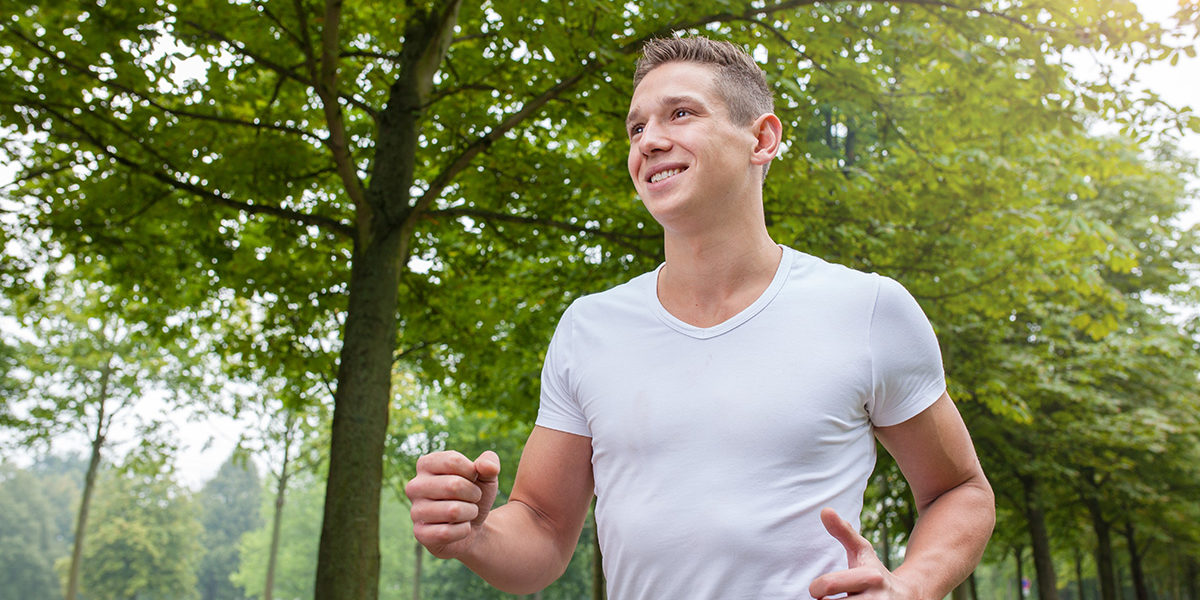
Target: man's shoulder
820,273
634,288
633,294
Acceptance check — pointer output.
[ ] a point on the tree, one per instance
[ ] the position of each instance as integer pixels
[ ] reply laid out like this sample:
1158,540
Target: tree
290,438
27,544
9,384
465,162
1106,389
229,504
87,370
146,540
288,434
298,533
425,421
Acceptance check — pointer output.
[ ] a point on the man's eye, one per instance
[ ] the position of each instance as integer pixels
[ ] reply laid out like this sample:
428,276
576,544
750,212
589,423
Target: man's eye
636,129
682,112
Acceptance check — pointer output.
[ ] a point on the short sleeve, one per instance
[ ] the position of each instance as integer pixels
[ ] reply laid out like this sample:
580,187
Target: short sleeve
906,363
559,408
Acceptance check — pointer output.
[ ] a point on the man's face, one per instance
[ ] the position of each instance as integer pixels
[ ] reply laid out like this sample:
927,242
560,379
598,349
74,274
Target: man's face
683,149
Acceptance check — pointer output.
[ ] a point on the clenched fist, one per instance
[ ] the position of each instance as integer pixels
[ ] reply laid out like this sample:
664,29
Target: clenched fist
451,497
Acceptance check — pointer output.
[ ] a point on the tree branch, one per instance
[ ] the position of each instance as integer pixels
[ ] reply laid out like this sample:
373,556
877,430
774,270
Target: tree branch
112,83
624,239
327,86
297,217
395,58
305,42
464,158
266,10
271,65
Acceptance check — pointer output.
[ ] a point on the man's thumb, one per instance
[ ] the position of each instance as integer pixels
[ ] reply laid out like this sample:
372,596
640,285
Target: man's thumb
845,534
487,467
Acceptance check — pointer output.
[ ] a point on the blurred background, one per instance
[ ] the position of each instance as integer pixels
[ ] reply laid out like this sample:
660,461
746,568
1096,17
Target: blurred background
259,256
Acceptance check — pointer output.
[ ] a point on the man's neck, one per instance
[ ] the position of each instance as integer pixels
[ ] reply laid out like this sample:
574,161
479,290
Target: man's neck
705,281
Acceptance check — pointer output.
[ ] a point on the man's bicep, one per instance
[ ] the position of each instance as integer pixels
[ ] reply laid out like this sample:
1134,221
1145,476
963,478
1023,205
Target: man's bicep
934,451
554,479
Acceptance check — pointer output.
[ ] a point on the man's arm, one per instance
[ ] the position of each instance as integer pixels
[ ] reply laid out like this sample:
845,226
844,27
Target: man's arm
524,545
956,513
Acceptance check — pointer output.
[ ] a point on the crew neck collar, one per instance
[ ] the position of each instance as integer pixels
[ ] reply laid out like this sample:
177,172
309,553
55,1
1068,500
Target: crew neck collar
763,300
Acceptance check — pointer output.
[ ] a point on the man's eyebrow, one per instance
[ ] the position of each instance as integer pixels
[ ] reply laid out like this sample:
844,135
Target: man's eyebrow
635,114
684,99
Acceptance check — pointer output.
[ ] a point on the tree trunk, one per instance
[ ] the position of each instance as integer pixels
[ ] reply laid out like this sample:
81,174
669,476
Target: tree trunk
418,558
960,592
1140,592
1105,575
1191,576
851,150
89,486
1078,575
348,556
1043,562
277,518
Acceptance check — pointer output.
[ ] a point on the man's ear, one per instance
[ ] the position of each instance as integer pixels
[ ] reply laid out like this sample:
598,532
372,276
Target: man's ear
768,133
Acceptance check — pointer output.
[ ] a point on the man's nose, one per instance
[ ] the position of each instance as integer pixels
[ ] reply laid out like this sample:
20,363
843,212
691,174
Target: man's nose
653,137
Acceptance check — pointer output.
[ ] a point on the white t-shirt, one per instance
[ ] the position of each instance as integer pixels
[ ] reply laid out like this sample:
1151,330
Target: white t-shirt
714,449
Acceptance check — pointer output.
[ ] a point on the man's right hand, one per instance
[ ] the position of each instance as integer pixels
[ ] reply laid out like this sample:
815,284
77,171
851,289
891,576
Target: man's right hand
451,497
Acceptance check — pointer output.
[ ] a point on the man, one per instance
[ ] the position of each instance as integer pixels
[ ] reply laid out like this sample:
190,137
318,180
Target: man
723,407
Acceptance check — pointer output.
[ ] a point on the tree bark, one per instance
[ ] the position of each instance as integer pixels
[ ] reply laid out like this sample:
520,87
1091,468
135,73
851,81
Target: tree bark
89,486
1043,562
1078,575
418,558
1105,575
277,518
348,555
1140,592
1191,578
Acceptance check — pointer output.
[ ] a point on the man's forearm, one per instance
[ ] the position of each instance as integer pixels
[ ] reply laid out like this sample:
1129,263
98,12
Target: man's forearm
517,551
949,538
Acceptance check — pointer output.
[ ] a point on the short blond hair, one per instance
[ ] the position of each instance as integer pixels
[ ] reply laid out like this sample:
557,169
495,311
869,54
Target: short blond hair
739,81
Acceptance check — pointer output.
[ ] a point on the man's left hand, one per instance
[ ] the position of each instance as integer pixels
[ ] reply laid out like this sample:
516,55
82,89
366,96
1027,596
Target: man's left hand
866,576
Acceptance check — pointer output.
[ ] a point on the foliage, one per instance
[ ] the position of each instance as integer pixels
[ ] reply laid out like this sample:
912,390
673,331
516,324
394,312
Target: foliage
89,362
35,527
229,505
426,420
437,181
146,537
88,365
10,383
298,543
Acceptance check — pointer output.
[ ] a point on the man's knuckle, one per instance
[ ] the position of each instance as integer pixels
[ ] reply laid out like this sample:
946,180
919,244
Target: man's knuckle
465,490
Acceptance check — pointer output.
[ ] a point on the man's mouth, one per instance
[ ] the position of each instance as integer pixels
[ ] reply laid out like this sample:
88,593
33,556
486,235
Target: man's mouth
661,175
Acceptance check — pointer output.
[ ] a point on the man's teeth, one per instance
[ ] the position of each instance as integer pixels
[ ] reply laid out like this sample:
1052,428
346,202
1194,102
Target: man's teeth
661,175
